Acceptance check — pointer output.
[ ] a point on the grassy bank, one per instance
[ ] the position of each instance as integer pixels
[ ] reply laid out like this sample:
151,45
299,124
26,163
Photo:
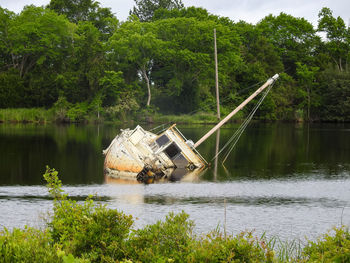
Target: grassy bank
37,115
74,115
198,118
40,115
90,232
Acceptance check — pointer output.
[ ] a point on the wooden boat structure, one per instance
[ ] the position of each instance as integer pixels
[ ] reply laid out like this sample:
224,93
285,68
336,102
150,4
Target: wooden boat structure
137,154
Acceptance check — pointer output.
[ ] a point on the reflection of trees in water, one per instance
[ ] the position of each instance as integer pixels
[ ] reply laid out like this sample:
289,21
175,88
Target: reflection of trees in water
75,150
265,150
282,150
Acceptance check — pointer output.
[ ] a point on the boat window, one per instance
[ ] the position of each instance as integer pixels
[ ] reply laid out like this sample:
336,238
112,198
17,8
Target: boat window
162,140
180,161
172,150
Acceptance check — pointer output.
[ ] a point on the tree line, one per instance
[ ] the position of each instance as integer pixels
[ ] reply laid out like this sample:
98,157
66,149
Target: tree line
78,55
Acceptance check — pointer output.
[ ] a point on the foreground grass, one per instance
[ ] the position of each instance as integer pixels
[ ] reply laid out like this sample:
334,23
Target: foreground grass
90,232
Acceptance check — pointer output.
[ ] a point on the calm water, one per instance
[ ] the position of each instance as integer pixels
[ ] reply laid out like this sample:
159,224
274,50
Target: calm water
287,180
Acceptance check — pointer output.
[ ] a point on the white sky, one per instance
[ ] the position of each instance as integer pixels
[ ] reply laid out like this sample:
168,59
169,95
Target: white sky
248,10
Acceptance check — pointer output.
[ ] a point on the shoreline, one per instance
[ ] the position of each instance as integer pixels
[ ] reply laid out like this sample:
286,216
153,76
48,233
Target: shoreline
44,116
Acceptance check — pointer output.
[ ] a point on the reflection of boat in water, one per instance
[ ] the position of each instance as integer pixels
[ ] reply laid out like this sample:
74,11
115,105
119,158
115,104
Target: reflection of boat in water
179,174
147,157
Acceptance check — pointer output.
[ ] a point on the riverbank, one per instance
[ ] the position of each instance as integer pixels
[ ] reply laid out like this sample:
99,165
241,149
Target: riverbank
32,115
84,115
90,232
40,115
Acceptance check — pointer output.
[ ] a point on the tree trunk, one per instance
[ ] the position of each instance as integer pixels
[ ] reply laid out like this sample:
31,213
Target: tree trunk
308,104
21,69
144,74
346,65
336,63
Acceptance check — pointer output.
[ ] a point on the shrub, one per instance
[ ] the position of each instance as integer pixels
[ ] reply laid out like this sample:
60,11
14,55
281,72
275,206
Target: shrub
168,241
27,245
78,112
60,108
86,230
242,248
330,248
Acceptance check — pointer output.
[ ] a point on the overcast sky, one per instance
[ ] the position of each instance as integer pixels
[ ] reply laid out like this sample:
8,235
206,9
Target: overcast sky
248,10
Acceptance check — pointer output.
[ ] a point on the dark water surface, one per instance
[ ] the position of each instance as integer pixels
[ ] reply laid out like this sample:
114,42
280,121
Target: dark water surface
288,180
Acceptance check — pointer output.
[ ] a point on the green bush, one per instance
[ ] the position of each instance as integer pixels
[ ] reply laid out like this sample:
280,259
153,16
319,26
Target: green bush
330,248
86,230
173,241
60,108
241,248
29,245
78,112
168,241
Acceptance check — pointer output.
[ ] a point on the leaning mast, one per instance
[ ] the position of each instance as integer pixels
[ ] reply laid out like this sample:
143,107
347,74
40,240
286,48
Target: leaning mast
269,82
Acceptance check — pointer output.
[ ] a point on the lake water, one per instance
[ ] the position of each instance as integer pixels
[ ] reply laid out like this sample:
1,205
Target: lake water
286,180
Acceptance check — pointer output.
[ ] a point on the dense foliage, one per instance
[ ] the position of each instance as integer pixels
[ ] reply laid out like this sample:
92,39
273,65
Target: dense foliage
161,60
90,232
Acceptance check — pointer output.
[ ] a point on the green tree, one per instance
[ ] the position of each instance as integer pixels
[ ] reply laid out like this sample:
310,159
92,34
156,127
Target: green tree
338,36
38,42
307,77
335,90
11,89
294,38
135,44
112,85
145,9
86,65
185,73
258,50
6,17
86,10
37,37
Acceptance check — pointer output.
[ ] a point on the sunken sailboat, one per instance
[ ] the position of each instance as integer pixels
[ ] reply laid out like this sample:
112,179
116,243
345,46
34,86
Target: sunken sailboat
144,156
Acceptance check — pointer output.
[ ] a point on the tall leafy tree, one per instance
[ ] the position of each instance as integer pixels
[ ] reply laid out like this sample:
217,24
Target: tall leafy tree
186,73
145,9
334,86
86,10
6,17
257,50
294,38
38,36
307,79
338,36
38,42
136,45
85,66
11,84
261,60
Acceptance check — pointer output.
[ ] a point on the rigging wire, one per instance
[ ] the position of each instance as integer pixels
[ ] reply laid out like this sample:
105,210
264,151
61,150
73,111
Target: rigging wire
231,143
239,131
161,127
243,127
